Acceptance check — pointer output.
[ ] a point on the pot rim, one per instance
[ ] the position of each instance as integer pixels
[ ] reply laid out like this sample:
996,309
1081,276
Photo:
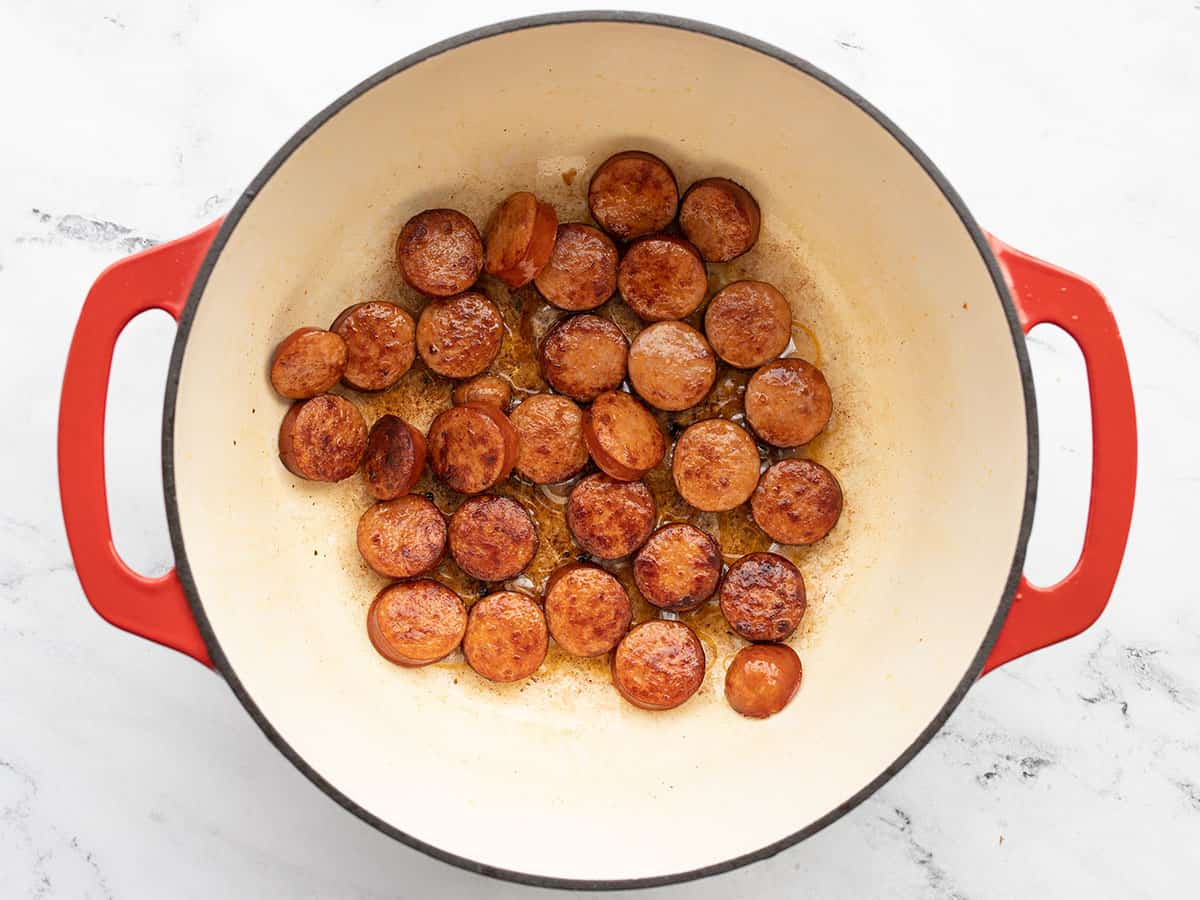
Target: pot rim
221,662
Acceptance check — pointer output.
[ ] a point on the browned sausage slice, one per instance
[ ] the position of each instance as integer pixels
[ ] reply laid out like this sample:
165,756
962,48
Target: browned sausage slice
416,623
716,465
472,447
550,432
587,609
519,239
671,365
485,389
633,193
609,518
662,277
379,336
797,501
622,436
658,665
788,402
506,637
720,218
403,537
582,272
678,568
323,439
307,362
492,538
395,458
762,597
460,336
748,323
762,679
440,252
583,356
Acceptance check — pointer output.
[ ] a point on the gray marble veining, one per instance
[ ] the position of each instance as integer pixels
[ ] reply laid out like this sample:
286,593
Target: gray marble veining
127,771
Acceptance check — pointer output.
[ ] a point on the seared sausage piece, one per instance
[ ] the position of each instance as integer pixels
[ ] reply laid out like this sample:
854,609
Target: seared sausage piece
550,433
323,439
633,193
762,679
484,389
762,597
587,609
797,501
582,272
519,239
609,518
379,336
460,336
403,537
658,665
472,447
506,637
583,356
671,365
395,458
748,323
440,252
716,465
622,436
492,538
662,277
415,623
307,362
678,568
720,218
788,402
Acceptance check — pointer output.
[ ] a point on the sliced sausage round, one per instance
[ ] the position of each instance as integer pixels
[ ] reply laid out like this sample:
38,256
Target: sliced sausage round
658,665
582,272
633,193
748,323
762,597
506,637
402,538
671,365
485,389
472,447
610,519
720,218
662,277
492,538
440,252
583,356
762,679
622,436
716,465
678,568
788,402
587,609
395,458
323,439
416,623
519,239
307,362
550,433
379,337
797,501
460,336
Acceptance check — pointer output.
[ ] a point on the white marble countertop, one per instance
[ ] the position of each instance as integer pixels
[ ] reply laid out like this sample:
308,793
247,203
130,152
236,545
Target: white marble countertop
1070,128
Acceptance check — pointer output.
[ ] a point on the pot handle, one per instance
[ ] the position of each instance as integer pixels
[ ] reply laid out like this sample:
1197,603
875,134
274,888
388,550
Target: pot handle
158,278
1041,616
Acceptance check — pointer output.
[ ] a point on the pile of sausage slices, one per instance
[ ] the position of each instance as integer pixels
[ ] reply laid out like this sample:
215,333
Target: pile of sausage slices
549,438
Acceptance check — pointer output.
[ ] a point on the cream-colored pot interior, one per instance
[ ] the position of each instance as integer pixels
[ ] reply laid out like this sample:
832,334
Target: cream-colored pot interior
560,777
